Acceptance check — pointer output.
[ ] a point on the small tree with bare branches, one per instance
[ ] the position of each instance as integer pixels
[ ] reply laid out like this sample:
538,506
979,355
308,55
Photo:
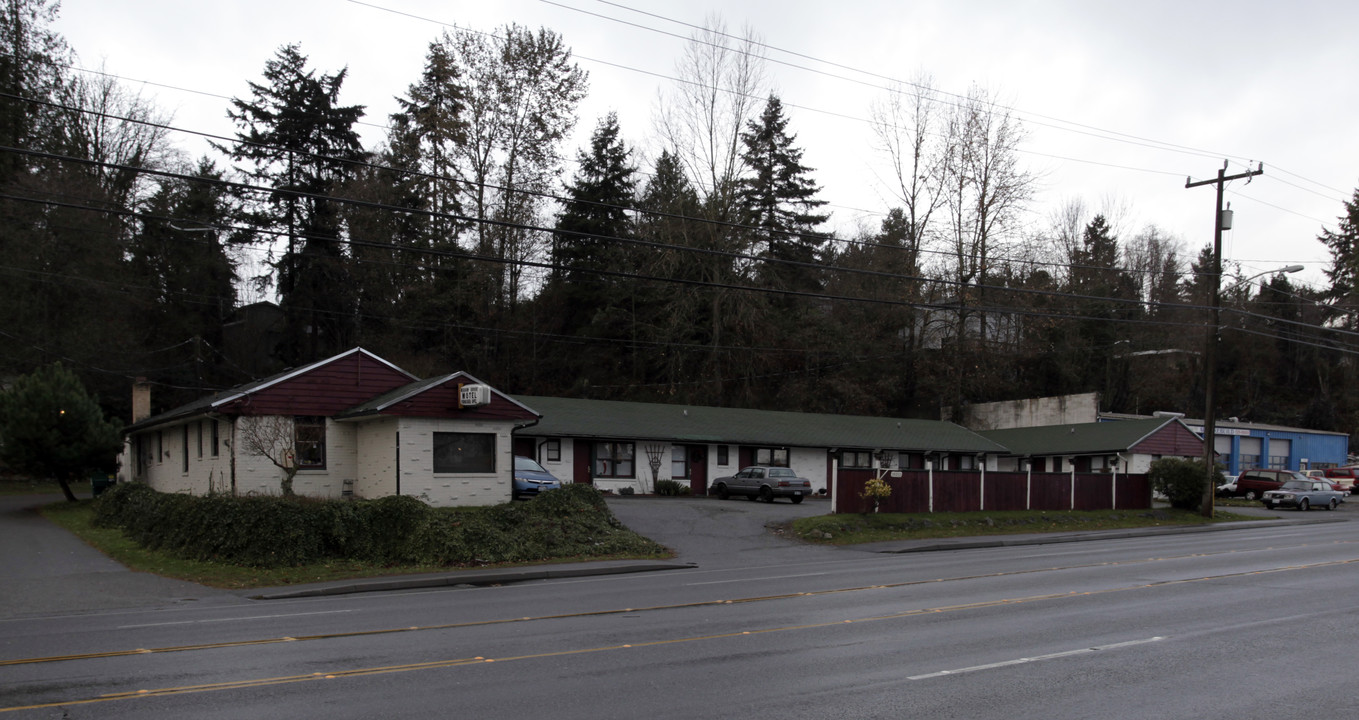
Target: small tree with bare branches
272,437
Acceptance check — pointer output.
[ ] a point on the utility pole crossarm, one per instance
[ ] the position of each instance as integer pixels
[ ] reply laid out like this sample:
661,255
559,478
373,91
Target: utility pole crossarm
1188,182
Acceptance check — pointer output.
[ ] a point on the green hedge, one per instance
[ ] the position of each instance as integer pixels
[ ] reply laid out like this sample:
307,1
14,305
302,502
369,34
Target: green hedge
268,531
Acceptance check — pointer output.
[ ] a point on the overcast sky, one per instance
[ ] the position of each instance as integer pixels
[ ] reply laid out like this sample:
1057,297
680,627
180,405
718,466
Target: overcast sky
1121,101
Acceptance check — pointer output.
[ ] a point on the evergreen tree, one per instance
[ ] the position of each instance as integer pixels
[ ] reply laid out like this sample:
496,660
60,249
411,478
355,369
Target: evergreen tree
778,197
296,139
596,213
1343,244
184,274
51,428
33,61
589,242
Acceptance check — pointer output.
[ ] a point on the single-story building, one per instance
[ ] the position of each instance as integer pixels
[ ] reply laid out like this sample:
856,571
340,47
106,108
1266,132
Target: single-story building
353,424
1125,447
1241,446
357,425
615,444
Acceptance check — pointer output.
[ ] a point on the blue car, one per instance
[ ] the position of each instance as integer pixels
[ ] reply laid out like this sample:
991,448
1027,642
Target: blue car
530,478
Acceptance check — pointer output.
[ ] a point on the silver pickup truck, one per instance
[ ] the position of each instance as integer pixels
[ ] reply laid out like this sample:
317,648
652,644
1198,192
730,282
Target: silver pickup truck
763,482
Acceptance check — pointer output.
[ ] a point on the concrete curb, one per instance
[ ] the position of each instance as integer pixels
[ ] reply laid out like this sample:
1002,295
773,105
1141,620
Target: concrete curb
490,576
970,543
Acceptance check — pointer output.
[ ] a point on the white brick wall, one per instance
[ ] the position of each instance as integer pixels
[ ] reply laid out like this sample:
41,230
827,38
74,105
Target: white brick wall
258,475
165,472
417,464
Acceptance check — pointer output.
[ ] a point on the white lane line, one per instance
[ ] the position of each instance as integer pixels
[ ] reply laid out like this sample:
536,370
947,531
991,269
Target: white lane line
1021,661
232,619
749,579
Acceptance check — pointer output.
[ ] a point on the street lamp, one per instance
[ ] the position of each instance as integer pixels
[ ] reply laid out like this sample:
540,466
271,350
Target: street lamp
1285,269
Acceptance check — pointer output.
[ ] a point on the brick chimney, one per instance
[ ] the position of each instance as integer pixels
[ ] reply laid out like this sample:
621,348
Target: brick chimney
141,400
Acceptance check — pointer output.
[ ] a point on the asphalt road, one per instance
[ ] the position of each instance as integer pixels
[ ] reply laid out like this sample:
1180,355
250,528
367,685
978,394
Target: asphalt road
1248,623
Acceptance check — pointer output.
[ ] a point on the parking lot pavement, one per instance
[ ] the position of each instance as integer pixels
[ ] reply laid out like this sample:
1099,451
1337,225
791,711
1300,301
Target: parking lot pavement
721,533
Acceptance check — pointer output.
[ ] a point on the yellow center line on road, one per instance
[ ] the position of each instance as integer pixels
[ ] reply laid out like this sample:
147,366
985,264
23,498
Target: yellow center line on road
479,660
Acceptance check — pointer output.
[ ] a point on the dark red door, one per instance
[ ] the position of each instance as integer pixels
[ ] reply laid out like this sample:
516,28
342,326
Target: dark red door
698,469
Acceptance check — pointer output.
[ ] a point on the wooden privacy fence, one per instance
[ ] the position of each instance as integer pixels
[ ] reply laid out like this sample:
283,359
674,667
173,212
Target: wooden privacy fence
922,491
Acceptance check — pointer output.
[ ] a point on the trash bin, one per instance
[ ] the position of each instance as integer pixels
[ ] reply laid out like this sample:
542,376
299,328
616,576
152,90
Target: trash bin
99,483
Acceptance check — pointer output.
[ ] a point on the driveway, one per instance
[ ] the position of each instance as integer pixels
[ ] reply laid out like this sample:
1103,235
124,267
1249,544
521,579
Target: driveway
47,570
721,533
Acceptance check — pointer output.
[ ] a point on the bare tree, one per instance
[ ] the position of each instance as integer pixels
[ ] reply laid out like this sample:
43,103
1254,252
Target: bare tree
721,88
522,89
1153,259
986,192
123,132
906,123
271,437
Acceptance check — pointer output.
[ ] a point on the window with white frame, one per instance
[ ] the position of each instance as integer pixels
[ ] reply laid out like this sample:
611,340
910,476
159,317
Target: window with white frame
679,462
614,460
309,442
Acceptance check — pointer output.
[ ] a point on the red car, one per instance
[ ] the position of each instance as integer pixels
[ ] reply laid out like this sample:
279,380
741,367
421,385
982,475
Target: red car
1346,476
1252,484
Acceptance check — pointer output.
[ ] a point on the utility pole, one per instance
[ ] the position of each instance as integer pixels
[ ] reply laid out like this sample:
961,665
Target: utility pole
1214,332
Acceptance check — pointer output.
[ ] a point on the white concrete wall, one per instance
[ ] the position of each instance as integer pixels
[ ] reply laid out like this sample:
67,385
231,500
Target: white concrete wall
562,468
1031,412
417,464
809,463
376,475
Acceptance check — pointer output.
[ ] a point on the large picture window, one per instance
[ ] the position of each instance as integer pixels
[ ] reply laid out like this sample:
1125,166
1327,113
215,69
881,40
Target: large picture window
464,452
309,442
614,460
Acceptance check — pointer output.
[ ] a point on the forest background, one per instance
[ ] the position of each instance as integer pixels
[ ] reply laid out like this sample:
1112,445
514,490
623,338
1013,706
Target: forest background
470,238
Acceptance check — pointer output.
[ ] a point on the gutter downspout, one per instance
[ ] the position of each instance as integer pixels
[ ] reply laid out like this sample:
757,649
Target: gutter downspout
514,430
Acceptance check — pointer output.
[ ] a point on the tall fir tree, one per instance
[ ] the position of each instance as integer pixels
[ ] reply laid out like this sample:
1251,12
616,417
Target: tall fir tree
779,198
298,141
591,243
1343,245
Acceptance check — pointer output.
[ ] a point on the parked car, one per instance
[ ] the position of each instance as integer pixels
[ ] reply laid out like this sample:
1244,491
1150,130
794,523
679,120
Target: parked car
1303,495
1346,476
763,483
1252,484
1227,489
530,478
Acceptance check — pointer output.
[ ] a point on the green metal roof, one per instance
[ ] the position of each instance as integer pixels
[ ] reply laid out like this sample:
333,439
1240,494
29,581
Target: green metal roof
613,419
1079,439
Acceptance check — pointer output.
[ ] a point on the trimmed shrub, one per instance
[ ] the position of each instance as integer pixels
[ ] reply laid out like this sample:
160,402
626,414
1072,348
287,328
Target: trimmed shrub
272,531
1181,481
671,488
